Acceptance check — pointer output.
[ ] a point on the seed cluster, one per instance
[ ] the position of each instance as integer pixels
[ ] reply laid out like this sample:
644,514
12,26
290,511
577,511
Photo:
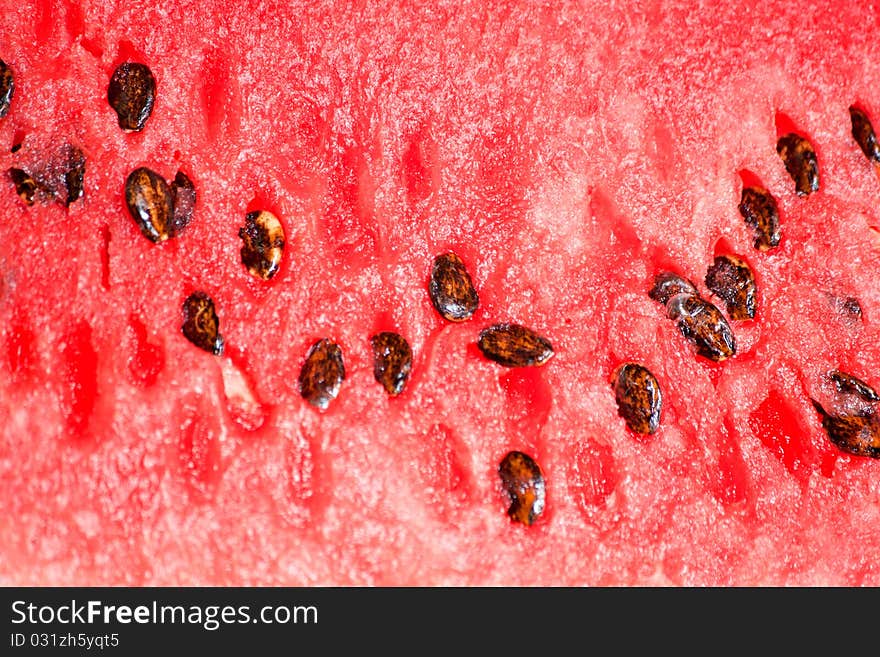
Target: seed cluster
163,210
160,210
697,319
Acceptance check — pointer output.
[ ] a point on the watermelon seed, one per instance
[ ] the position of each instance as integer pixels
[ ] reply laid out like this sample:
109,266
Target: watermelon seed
25,185
523,482
263,243
15,148
857,434
131,93
761,213
800,161
322,373
183,202
74,174
513,345
848,384
731,279
150,203
201,325
392,361
703,325
667,285
863,133
7,88
639,401
451,288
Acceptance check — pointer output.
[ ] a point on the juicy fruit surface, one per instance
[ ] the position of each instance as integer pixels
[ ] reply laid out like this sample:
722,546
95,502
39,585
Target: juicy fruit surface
567,153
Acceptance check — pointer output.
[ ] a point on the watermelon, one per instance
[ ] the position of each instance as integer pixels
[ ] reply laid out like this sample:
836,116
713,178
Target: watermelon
647,357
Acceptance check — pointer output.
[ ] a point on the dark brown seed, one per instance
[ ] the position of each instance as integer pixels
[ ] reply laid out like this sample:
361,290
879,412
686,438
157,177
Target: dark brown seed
857,434
800,161
703,325
639,401
150,203
132,92
513,345
183,202
392,361
74,174
848,384
761,213
262,243
523,482
667,285
863,133
7,88
451,288
322,373
201,325
731,279
25,185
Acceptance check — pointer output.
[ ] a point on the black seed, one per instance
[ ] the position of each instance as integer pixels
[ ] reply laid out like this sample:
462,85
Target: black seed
25,185
183,202
731,279
800,161
150,203
703,325
857,434
851,306
513,345
392,361
667,285
639,401
761,213
322,373
863,133
15,148
201,325
74,174
7,88
848,384
524,483
262,243
132,92
451,288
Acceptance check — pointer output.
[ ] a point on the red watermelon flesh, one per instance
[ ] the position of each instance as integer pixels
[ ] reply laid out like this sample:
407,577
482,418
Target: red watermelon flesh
567,152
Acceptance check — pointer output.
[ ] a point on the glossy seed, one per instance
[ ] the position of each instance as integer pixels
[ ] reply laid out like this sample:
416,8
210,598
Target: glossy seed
183,202
262,243
7,88
703,325
201,326
392,361
667,285
150,203
322,373
513,345
800,161
848,384
731,279
857,434
863,133
74,174
761,213
523,482
25,185
639,401
451,288
131,93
